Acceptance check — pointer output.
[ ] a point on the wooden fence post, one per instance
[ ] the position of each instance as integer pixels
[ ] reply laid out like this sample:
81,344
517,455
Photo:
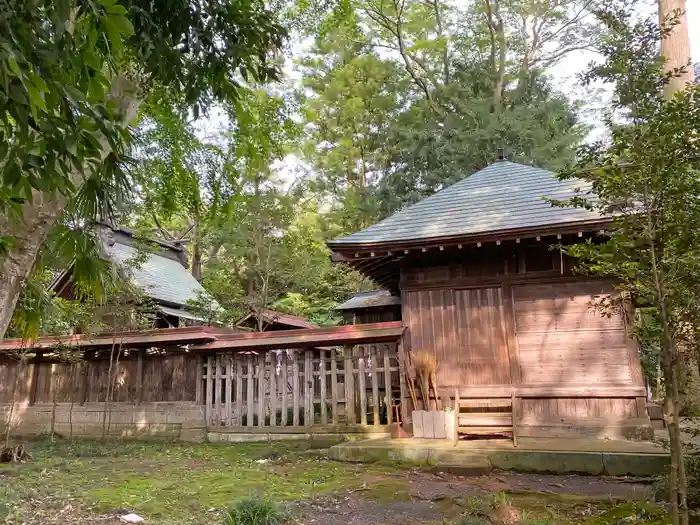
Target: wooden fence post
375,384
217,390
387,385
334,386
322,375
228,391
308,389
210,389
349,386
405,416
239,390
361,386
35,377
273,389
284,389
139,377
295,388
261,389
199,395
249,391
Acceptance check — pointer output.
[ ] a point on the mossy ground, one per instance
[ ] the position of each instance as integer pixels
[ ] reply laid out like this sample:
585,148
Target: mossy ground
81,482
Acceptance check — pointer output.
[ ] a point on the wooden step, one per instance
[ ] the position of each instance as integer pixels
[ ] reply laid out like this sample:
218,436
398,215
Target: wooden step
480,431
486,403
485,419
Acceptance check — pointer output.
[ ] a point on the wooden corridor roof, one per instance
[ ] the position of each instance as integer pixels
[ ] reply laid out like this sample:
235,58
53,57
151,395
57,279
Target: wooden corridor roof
206,338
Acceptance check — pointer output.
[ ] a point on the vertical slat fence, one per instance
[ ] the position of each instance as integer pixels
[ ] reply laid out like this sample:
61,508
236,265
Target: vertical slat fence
318,386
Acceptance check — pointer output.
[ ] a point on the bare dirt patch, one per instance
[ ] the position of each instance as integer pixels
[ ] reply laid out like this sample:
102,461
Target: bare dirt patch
417,497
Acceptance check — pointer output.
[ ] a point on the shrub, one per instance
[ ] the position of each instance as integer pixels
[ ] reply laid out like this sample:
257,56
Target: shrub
256,512
692,470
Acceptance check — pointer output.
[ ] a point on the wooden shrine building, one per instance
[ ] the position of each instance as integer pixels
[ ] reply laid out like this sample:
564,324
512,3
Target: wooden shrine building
472,274
483,287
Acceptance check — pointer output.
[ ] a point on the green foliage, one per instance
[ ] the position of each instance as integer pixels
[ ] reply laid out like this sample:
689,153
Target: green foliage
256,511
399,98
110,303
692,468
71,71
647,178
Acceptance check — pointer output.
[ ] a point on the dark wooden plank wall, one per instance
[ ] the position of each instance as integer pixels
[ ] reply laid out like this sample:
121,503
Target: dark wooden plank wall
15,373
170,377
466,332
375,315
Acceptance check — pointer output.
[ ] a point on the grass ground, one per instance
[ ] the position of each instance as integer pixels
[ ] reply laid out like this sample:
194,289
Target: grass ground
90,482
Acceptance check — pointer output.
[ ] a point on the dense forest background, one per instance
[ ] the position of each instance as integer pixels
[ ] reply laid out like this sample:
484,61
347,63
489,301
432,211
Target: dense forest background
381,103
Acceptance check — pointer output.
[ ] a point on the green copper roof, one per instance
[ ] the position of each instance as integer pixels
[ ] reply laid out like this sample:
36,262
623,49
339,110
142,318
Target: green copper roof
161,278
503,196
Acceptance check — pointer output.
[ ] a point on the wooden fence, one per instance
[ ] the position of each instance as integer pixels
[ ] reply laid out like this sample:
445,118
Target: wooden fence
361,384
137,376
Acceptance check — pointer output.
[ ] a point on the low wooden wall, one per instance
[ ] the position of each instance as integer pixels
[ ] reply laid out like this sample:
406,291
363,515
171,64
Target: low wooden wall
152,393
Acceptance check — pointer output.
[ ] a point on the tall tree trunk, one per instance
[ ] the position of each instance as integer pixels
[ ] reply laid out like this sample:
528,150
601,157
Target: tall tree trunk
196,253
40,215
446,50
675,48
29,234
497,36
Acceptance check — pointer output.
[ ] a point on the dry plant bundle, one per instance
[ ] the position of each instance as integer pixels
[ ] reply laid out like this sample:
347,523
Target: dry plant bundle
425,364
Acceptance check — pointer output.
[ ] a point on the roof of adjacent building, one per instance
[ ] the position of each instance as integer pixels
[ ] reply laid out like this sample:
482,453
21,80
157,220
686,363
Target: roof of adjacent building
372,299
502,196
278,318
159,277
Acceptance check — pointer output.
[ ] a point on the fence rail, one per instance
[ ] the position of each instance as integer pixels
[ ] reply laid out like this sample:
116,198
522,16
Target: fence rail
360,384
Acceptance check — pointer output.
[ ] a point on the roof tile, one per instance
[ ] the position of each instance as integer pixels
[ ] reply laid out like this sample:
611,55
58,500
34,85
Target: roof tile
502,196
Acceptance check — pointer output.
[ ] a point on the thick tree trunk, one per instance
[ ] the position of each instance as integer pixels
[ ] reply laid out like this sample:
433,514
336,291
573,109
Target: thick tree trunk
675,48
494,21
39,216
29,234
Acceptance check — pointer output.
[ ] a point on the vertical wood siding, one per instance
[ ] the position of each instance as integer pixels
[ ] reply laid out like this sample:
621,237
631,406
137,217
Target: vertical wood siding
564,340
465,330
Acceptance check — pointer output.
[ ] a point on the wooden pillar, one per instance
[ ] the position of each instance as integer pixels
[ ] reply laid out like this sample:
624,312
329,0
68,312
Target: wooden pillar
199,395
139,377
35,377
86,378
